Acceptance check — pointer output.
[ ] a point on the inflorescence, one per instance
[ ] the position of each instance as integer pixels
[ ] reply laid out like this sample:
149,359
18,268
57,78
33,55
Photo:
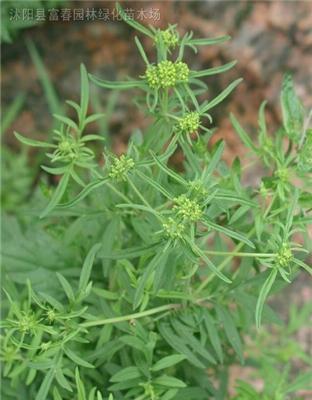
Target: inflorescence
169,37
120,168
188,209
189,123
284,256
167,74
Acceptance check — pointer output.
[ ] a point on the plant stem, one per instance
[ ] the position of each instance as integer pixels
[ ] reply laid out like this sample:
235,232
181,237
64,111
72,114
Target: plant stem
128,317
124,197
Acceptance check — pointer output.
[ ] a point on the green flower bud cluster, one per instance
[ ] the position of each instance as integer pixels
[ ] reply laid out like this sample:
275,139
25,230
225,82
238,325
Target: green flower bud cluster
67,148
284,256
190,122
27,323
169,37
188,209
166,74
120,167
173,230
282,174
305,155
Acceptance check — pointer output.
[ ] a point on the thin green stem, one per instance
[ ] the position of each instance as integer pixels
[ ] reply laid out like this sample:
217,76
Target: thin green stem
121,195
129,317
139,194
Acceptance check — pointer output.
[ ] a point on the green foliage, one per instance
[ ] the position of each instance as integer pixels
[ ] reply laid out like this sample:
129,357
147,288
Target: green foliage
139,277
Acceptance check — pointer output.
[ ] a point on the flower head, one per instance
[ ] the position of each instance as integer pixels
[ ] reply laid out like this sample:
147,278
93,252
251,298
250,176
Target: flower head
120,167
173,230
189,123
188,209
169,37
166,74
284,256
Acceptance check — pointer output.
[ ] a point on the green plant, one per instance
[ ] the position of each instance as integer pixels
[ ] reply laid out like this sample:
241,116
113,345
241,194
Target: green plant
160,274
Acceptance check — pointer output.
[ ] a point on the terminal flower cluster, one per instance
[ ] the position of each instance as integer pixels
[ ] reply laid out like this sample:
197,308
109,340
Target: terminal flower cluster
190,122
173,230
188,209
166,74
169,37
120,168
284,256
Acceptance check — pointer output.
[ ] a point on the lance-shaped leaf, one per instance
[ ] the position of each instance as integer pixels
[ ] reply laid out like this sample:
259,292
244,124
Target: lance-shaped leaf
58,194
130,21
292,110
84,193
32,142
235,235
242,133
118,85
220,97
209,263
159,258
87,266
264,294
212,71
208,42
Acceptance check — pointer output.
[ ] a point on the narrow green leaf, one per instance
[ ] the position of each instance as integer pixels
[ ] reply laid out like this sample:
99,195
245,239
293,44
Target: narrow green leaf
213,335
80,386
168,361
141,50
155,184
45,385
126,374
87,266
84,89
178,345
263,295
292,110
235,235
159,258
32,142
209,263
221,96
169,381
213,71
213,163
66,121
77,360
58,194
230,331
168,171
242,133
84,193
66,286
130,21
209,42
120,85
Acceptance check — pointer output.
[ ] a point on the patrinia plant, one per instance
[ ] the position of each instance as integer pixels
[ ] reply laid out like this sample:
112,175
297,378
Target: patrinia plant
142,281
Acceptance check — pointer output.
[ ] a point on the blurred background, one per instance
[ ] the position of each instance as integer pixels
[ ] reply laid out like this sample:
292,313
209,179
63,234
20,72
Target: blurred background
44,42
